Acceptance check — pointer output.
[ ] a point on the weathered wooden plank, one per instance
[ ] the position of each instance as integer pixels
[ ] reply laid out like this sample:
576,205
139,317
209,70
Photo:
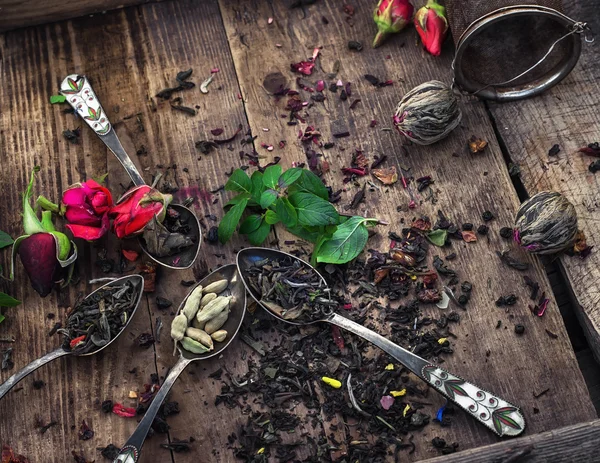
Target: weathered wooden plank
465,186
578,442
565,115
15,14
154,43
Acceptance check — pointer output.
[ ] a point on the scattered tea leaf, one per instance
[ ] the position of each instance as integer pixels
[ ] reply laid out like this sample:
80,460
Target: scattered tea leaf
437,237
177,103
183,75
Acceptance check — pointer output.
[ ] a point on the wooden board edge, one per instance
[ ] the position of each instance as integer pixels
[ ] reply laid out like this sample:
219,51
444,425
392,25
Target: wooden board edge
578,442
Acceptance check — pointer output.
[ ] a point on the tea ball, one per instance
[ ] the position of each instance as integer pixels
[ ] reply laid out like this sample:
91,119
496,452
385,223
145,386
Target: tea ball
428,113
546,223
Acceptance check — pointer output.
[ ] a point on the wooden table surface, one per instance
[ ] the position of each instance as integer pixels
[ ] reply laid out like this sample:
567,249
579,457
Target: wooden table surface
133,53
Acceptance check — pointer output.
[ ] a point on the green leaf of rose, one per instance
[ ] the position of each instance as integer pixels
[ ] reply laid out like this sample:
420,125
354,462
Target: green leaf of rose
346,243
260,234
251,223
230,220
239,181
271,217
313,210
437,237
289,177
309,183
271,176
286,212
267,198
5,239
8,301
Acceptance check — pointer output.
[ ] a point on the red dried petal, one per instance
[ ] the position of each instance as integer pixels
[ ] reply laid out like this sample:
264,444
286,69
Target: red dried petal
337,336
130,255
125,412
217,132
76,341
469,236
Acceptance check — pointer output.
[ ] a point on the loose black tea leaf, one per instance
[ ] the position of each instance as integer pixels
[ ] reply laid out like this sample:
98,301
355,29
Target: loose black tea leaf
7,362
99,318
85,433
291,289
177,103
161,242
554,150
183,75
355,45
512,262
110,452
72,135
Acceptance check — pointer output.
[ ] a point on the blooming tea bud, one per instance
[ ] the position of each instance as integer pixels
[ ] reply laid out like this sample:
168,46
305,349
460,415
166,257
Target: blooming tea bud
428,113
432,26
391,16
546,223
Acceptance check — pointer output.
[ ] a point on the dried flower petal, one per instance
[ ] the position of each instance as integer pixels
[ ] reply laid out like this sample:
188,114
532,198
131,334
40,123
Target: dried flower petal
477,145
386,175
387,401
469,236
125,412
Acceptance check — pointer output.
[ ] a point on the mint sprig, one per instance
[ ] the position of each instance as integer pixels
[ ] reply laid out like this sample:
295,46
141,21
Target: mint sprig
300,201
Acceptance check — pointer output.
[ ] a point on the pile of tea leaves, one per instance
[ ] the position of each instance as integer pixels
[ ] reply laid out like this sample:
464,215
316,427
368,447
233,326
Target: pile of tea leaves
100,317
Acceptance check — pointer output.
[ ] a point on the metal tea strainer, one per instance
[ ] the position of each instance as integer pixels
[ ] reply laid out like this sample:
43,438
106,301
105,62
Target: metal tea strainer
507,51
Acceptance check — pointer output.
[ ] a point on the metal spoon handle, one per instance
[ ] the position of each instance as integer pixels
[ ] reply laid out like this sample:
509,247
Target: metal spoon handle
19,375
81,97
131,451
502,417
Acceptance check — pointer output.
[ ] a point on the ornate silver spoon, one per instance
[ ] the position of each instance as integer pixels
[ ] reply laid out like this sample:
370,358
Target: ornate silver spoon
81,97
502,417
138,284
130,453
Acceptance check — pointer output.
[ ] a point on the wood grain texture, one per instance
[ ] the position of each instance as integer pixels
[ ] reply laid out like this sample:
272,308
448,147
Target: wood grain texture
565,115
564,445
15,14
465,186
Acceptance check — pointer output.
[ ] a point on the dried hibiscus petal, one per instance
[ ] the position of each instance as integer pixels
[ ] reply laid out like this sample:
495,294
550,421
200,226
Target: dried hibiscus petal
469,236
125,412
386,175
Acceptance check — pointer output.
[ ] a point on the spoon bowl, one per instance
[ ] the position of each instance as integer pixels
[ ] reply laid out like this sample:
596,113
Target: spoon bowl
130,453
137,282
482,405
83,100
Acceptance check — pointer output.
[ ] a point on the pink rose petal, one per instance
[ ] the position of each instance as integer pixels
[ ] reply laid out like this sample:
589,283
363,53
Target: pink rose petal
387,401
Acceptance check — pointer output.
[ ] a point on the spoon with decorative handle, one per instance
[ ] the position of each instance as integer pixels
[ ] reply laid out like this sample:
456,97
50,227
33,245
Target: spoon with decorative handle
138,285
130,452
81,97
502,417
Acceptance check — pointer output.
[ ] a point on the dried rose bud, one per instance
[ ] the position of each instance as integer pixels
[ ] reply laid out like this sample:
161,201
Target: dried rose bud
432,26
44,252
428,113
391,16
136,208
546,223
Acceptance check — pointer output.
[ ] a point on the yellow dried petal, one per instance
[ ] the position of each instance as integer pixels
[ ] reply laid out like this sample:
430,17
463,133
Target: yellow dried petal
260,451
331,382
133,395
389,366
406,409
442,340
398,393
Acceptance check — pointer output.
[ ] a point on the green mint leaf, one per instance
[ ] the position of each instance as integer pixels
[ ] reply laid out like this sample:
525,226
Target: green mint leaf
309,183
8,301
239,181
260,234
230,220
2,318
251,223
271,176
286,212
346,243
437,237
271,217
289,177
320,241
267,198
257,185
5,239
237,199
313,210
310,234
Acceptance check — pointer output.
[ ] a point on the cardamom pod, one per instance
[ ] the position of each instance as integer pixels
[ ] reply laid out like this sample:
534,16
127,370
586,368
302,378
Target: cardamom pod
219,336
207,298
213,308
192,303
217,287
178,327
199,335
193,346
217,322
